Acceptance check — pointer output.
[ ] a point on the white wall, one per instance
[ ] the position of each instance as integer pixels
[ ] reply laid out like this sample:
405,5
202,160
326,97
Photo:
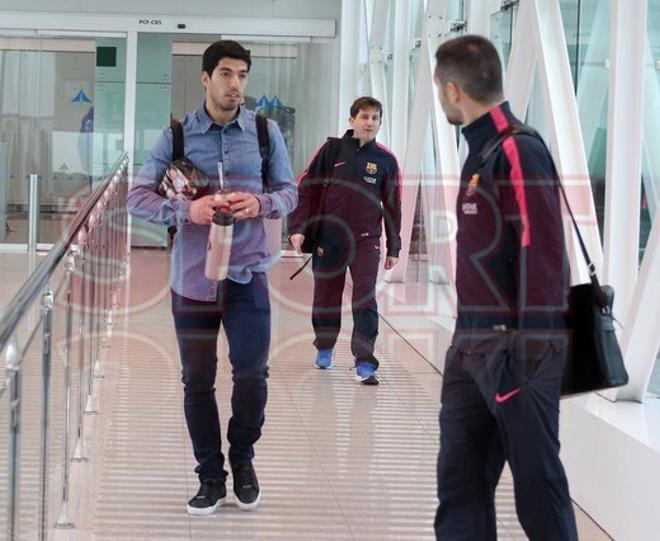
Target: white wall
305,9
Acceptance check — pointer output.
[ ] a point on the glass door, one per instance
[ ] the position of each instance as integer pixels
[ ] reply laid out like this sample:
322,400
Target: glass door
61,119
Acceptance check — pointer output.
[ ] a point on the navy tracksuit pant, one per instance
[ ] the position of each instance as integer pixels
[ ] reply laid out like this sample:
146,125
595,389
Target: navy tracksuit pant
244,311
329,264
497,408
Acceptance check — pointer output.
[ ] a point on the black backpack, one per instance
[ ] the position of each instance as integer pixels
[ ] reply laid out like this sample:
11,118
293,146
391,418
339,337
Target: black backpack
177,153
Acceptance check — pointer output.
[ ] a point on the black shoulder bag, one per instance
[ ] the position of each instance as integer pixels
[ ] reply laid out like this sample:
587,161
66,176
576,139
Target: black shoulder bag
320,193
593,360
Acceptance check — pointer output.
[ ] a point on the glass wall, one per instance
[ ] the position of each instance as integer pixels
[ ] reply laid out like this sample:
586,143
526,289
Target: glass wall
651,144
60,119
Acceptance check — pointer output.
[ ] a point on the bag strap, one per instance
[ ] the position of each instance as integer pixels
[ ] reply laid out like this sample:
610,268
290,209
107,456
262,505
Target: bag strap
333,146
177,140
517,129
264,146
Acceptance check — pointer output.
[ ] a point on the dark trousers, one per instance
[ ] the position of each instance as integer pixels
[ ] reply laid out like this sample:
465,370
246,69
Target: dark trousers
244,311
496,408
329,265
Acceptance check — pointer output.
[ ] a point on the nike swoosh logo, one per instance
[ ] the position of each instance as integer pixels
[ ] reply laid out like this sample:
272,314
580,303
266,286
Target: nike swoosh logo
339,164
502,398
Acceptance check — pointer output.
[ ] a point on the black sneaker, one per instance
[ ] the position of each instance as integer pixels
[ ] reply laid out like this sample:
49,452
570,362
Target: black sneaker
246,486
211,495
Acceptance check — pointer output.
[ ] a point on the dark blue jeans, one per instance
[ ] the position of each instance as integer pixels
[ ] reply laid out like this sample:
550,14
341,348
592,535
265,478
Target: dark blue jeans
244,311
496,408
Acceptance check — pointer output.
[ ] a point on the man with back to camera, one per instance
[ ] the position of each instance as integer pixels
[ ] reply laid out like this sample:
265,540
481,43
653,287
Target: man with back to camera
221,130
503,371
362,193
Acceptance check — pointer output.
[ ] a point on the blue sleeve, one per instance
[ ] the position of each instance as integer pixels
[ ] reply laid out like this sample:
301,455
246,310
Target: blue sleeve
143,201
283,193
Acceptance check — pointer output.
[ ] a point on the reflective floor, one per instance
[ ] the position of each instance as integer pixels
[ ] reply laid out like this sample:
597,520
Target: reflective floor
336,461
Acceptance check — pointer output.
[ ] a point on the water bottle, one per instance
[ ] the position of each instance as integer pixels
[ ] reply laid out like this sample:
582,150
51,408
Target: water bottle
219,245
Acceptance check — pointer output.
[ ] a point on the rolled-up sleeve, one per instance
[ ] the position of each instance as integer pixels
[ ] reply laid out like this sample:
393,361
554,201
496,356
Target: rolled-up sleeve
282,196
143,201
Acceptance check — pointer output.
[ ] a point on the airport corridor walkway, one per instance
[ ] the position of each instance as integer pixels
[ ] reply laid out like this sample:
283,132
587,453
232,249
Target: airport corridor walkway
337,460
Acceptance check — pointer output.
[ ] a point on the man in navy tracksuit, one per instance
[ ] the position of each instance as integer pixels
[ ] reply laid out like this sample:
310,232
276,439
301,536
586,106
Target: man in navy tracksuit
503,371
362,192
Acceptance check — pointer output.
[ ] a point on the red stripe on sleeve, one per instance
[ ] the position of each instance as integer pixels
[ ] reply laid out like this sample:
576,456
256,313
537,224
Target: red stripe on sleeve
511,151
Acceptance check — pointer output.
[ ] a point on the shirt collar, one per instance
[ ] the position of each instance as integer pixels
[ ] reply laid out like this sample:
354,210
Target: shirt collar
205,121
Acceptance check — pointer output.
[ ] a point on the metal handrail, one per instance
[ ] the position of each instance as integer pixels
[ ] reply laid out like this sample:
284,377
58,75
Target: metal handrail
33,287
90,241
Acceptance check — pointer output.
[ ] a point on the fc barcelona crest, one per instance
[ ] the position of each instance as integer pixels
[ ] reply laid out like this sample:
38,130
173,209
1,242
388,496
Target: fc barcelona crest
372,168
472,185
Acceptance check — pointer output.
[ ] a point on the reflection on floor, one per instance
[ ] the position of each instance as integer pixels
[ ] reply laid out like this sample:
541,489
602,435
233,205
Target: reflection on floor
336,461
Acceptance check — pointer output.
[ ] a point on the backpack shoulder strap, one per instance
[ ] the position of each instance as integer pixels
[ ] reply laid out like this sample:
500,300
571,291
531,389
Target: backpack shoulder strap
177,140
495,143
264,145
331,153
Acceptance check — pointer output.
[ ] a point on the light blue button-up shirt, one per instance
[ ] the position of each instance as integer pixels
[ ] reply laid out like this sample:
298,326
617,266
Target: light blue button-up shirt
205,144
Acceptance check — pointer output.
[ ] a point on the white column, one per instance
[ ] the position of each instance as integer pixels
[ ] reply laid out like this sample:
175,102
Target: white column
350,31
400,76
624,150
478,17
377,57
641,339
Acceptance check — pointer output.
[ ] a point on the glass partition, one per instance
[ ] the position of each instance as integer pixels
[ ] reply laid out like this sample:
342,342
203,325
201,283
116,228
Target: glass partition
651,145
61,118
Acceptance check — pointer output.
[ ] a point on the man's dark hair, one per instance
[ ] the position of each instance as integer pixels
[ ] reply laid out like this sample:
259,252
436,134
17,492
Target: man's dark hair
224,48
472,63
366,102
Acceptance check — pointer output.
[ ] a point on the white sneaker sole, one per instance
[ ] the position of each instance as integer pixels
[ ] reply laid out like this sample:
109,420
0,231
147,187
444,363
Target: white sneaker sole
206,510
370,380
323,367
248,506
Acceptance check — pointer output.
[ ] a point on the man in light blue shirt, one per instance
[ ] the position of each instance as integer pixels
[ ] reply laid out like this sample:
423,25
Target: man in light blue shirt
221,130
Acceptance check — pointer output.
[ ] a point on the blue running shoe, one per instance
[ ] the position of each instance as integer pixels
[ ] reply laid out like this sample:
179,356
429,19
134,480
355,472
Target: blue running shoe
365,373
324,358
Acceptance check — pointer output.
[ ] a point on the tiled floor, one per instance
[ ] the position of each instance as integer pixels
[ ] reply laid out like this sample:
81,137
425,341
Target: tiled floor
336,461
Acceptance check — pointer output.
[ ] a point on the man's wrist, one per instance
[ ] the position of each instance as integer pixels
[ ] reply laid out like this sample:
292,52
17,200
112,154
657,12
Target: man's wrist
265,204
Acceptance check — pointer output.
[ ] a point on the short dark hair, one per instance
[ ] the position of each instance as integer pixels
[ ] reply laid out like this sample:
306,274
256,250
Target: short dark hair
472,63
224,48
366,102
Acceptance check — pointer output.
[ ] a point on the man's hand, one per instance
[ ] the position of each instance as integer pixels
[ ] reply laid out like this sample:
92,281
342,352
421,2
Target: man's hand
202,209
296,241
390,262
242,205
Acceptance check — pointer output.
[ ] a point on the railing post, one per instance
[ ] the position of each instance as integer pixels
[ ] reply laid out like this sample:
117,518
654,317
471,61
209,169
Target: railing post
33,213
13,363
79,452
63,520
92,259
47,331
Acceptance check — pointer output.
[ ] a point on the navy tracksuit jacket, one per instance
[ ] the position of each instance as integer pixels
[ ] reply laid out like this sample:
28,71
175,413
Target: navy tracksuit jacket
363,197
503,372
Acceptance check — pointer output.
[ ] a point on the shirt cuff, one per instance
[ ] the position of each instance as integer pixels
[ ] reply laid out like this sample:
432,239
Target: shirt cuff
182,209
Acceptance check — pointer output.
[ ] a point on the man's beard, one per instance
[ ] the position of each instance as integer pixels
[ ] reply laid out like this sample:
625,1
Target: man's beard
219,105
